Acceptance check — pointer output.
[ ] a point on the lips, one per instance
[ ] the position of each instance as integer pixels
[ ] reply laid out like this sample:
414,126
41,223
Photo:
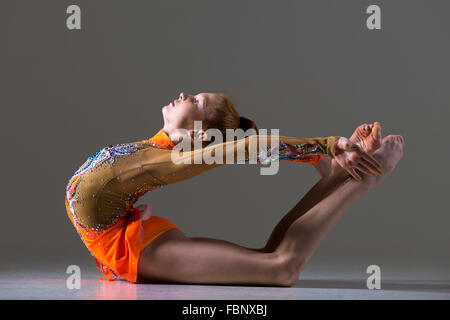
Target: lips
173,103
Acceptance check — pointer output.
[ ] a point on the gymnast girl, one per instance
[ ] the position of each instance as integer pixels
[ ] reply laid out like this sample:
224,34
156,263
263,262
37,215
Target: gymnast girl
132,243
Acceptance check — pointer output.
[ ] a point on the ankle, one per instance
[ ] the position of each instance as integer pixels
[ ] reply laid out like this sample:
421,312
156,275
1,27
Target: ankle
339,174
368,182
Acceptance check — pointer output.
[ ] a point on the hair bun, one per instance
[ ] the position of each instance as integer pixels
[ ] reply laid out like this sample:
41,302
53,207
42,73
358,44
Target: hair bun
245,123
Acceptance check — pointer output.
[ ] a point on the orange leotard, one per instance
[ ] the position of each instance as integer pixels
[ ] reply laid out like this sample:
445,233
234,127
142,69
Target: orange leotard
100,195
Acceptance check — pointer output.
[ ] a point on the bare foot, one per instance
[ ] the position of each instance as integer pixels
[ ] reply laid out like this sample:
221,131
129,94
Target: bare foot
367,137
388,155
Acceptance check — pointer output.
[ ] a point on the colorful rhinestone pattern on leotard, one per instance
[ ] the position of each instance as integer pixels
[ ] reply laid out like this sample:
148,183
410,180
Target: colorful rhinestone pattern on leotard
305,152
107,156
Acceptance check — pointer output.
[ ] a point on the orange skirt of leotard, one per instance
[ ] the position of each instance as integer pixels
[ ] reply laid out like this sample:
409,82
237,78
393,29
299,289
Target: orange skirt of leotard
117,249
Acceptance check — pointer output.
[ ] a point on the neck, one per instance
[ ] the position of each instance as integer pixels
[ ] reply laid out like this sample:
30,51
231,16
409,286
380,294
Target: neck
171,133
168,130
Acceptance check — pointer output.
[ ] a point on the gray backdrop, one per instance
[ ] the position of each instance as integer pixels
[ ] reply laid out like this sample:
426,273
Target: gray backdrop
310,68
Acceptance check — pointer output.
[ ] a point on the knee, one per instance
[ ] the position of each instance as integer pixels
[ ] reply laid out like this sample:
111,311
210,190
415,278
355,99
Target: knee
288,271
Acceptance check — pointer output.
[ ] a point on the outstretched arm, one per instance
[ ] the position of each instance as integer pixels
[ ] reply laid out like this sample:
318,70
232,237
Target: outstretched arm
160,165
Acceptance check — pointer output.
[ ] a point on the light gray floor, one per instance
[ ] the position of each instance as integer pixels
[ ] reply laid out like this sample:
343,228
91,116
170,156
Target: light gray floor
44,284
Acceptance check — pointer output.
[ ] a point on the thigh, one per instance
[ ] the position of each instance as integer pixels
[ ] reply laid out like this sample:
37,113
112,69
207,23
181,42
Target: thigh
173,257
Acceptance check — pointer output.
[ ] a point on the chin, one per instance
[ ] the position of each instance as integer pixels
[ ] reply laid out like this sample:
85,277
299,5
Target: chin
164,111
165,120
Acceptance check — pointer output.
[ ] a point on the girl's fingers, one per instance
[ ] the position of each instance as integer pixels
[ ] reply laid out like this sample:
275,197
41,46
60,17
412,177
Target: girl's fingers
369,159
372,161
372,166
369,166
366,170
353,174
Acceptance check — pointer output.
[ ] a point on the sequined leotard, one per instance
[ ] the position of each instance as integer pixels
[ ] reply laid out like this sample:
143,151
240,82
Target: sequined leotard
101,194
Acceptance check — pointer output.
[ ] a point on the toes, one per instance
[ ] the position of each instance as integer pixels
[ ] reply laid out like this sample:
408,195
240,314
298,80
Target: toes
365,129
393,138
360,128
376,126
377,133
389,138
400,139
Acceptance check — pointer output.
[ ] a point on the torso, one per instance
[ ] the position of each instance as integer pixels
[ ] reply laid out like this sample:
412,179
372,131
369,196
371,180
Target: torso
107,185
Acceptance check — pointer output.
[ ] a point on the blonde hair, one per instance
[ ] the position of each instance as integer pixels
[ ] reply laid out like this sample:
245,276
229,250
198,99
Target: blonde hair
225,116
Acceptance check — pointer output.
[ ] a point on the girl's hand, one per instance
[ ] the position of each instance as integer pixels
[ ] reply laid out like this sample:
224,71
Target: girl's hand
350,157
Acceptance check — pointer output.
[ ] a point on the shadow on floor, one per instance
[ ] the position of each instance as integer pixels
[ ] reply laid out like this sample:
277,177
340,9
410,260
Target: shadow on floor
401,285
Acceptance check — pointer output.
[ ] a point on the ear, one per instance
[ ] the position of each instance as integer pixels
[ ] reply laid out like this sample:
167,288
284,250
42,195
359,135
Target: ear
199,135
203,136
178,135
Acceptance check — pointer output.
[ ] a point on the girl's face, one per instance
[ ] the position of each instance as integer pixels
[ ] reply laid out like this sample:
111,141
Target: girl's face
181,113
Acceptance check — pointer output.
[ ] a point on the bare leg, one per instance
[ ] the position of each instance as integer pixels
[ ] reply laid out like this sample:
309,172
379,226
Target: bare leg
317,193
175,258
305,234
368,137
172,257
